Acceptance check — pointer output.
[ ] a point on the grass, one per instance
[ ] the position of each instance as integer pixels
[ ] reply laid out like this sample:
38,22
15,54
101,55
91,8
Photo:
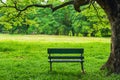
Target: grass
24,57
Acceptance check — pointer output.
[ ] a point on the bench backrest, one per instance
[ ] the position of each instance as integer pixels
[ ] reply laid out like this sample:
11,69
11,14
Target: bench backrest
65,50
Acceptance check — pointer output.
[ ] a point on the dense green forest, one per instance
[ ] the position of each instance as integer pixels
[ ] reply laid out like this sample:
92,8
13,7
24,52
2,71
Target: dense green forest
92,21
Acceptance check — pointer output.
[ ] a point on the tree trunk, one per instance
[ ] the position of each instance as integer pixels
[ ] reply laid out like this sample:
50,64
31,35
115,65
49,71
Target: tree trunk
112,8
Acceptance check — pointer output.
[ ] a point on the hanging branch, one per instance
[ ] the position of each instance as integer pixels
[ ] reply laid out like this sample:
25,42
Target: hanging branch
35,5
76,3
91,2
97,13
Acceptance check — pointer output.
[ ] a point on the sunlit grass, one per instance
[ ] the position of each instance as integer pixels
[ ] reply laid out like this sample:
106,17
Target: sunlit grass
24,57
52,38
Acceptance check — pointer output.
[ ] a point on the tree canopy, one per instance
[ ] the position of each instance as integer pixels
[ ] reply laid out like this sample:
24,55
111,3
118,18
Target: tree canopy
65,21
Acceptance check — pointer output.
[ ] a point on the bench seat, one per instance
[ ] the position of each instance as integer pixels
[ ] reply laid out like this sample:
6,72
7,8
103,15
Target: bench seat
65,60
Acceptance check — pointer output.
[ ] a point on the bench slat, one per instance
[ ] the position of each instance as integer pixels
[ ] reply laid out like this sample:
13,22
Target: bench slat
65,51
61,60
65,57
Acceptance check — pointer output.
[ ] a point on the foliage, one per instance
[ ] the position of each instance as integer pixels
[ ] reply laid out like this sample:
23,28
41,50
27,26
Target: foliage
65,21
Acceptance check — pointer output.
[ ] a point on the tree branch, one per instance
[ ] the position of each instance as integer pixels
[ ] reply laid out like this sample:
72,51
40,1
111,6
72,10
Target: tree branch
2,2
35,5
76,5
44,6
62,5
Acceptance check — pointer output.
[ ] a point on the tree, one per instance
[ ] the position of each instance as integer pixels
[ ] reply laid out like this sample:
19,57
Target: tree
112,9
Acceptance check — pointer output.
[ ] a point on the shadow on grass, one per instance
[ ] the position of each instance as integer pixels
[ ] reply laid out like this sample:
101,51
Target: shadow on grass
65,73
62,75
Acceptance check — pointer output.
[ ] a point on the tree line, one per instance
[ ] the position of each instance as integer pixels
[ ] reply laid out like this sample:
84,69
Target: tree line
92,21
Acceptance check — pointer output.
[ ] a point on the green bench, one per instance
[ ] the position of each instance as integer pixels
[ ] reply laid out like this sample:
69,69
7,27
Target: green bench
66,55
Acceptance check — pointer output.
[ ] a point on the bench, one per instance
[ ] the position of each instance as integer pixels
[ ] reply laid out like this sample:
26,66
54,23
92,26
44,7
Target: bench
66,55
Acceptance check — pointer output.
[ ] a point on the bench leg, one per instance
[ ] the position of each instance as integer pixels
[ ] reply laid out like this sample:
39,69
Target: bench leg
82,67
50,66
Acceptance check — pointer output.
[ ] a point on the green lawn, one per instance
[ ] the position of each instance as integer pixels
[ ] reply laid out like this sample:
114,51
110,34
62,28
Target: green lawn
24,57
